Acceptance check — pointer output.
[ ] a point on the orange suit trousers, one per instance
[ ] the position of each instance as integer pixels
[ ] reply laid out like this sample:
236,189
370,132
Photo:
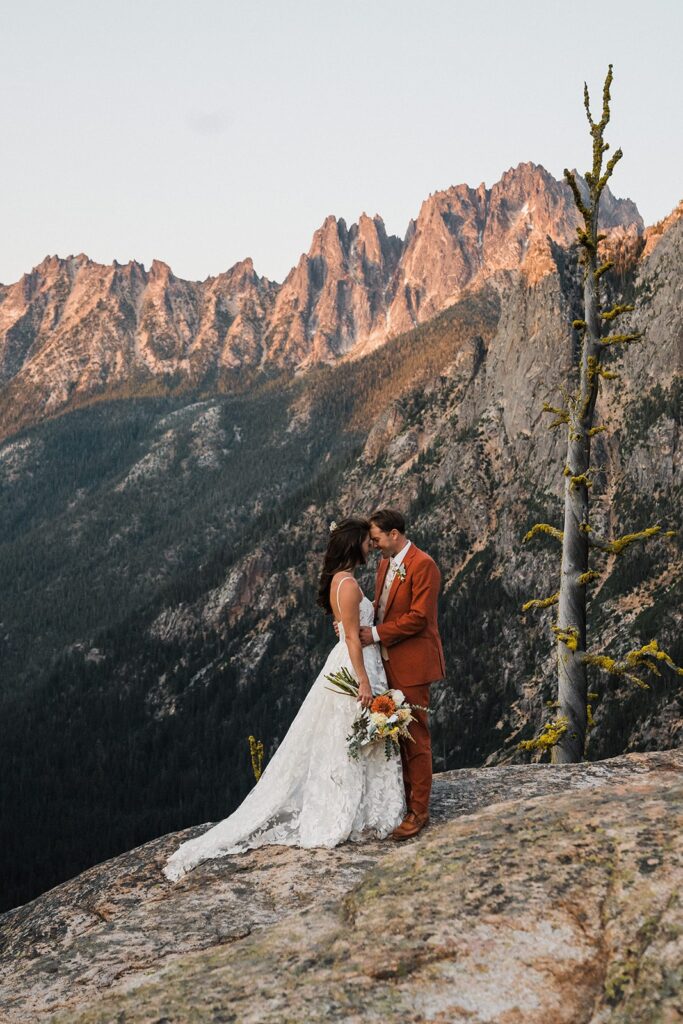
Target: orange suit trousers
417,756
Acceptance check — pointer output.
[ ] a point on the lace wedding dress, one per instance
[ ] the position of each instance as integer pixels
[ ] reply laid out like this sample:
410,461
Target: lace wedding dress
311,793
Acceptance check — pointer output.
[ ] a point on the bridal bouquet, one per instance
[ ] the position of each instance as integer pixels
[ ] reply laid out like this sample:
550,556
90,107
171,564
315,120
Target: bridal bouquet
385,721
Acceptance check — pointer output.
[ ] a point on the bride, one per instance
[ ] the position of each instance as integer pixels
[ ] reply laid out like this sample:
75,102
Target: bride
311,792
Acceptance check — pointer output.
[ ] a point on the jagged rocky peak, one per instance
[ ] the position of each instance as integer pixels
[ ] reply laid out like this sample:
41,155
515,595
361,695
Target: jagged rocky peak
72,328
334,298
341,246
160,271
471,234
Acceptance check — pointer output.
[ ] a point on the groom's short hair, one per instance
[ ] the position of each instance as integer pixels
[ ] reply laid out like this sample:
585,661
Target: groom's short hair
388,519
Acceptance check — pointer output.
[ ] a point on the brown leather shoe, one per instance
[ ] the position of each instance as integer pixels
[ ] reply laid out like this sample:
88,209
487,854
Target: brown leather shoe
410,826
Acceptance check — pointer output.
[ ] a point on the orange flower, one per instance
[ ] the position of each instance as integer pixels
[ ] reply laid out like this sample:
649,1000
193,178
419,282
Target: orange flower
384,705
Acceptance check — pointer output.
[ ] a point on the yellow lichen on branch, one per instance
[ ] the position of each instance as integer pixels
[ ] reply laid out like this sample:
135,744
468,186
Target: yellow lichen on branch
615,668
582,478
588,577
602,269
617,310
569,637
652,650
621,339
611,164
595,369
562,415
581,206
548,737
552,531
642,657
596,430
617,546
541,602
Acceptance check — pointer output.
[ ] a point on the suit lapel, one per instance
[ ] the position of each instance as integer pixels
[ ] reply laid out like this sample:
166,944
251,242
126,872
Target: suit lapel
410,554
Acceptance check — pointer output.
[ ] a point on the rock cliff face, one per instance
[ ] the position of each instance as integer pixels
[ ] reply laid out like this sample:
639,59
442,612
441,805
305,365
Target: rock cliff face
72,330
537,893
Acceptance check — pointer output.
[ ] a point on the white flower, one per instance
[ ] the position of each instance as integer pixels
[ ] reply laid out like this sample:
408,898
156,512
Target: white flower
333,526
378,719
397,696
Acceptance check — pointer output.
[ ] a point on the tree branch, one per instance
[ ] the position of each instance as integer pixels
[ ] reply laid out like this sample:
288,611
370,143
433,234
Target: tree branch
552,531
620,339
617,310
578,199
548,737
611,164
561,414
642,657
615,547
541,602
602,269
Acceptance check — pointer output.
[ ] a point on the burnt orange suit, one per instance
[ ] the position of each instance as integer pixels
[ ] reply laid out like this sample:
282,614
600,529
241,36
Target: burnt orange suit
410,636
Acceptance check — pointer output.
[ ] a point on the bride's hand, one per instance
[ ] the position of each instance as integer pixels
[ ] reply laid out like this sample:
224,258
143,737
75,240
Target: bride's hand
365,693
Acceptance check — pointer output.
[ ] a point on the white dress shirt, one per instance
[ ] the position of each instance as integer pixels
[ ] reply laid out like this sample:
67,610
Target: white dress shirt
394,562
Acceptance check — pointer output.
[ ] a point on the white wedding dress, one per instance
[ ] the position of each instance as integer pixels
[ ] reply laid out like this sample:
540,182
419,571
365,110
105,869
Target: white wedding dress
311,793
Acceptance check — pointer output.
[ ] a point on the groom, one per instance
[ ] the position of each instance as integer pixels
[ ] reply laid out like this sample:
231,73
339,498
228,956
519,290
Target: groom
406,592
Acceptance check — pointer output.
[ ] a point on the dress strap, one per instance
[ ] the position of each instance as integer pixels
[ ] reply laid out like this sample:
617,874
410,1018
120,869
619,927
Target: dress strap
343,580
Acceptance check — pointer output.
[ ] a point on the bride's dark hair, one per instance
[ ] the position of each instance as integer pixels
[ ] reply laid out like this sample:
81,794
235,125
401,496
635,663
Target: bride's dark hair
344,551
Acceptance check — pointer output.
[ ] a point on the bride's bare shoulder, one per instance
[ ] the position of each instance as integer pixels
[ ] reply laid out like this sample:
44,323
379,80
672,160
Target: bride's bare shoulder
340,593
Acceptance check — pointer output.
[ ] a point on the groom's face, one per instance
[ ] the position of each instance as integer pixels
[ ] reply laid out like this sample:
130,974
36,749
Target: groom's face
383,542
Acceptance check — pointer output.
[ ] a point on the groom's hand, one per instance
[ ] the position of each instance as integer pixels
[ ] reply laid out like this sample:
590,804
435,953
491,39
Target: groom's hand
366,637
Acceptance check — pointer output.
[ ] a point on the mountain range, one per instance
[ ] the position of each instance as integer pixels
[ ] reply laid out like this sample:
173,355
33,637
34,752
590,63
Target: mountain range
173,455
71,329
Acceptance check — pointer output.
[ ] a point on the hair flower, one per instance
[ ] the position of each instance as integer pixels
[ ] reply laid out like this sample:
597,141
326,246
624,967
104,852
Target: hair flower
333,526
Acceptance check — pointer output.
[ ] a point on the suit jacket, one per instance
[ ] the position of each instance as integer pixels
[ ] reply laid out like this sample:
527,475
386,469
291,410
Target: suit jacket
410,632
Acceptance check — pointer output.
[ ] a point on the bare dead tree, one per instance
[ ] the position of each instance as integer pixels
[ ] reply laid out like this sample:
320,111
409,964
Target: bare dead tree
565,736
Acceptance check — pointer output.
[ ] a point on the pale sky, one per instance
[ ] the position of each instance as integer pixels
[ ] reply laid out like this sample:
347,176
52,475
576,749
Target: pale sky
206,131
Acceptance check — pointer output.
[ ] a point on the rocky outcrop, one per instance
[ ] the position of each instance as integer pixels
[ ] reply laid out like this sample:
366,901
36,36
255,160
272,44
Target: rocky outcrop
73,330
334,298
654,234
469,234
537,893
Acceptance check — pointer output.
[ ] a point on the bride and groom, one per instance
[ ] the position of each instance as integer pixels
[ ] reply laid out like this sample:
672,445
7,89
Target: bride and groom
312,793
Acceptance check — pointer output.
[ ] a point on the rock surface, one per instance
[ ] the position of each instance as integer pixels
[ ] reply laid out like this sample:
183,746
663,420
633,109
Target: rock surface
537,893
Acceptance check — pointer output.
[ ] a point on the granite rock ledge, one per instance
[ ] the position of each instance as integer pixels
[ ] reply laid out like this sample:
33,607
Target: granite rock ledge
537,893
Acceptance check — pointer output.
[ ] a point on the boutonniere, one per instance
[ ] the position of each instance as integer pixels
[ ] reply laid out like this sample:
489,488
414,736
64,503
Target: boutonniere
401,572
